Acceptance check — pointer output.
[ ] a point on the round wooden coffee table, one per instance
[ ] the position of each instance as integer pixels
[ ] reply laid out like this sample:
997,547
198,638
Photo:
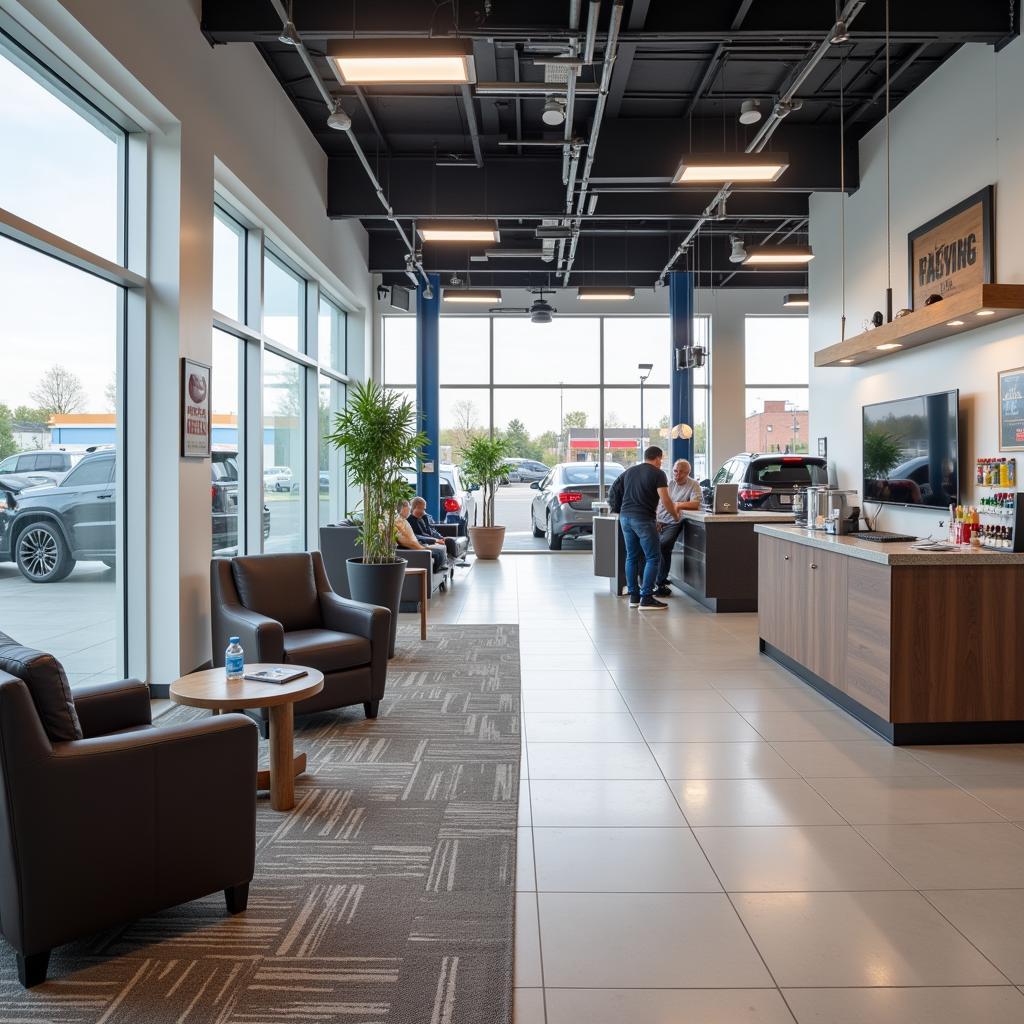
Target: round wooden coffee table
210,689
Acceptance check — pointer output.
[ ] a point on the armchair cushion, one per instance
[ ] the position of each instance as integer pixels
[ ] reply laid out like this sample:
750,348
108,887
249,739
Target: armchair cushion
47,684
326,650
280,587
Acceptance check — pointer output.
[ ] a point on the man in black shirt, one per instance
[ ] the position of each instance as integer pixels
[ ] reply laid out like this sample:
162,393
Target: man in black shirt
427,533
635,496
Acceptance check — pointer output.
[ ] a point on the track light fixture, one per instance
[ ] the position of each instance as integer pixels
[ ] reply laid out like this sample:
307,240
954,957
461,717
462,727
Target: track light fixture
739,250
840,34
554,112
338,119
750,112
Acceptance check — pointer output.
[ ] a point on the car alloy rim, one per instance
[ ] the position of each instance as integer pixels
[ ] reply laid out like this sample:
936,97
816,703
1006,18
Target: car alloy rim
38,552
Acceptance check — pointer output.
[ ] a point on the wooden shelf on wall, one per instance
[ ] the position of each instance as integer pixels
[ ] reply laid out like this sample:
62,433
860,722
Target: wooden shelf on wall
958,314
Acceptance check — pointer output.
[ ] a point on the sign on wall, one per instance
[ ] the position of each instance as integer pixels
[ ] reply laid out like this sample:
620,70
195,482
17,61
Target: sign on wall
1011,410
954,250
195,410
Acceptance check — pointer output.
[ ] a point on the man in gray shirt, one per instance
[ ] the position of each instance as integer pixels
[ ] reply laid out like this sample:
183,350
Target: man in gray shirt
685,494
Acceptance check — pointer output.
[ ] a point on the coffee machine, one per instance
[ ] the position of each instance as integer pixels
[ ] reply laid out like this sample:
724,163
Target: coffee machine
831,509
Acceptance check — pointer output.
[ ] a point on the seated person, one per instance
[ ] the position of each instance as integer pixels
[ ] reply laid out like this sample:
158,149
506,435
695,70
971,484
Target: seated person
685,494
426,531
408,539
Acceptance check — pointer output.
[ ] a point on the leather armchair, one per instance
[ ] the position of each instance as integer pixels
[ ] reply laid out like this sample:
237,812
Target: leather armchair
284,611
126,820
340,543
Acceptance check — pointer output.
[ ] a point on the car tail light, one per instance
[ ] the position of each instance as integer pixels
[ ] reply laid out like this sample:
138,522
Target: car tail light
452,505
794,458
567,497
213,493
750,492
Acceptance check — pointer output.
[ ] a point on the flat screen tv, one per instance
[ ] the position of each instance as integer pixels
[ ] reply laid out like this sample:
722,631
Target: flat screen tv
911,451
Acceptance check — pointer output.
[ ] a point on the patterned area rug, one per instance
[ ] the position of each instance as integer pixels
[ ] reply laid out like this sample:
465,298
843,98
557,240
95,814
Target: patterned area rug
386,895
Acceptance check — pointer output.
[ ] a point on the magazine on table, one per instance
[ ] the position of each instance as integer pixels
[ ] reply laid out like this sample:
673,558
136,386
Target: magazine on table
275,675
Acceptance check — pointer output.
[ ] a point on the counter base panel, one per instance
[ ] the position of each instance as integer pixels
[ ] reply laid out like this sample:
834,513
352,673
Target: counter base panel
901,734
716,604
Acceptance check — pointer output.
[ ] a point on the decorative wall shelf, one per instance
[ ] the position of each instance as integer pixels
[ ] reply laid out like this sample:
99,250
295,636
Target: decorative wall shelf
958,314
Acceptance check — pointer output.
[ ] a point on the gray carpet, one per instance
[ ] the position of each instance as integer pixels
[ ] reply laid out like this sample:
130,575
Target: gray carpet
386,895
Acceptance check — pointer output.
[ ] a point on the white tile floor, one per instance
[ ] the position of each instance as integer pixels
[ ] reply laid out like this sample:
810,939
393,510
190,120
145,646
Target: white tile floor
705,839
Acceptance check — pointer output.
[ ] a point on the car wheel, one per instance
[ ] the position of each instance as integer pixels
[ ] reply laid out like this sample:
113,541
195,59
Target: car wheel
41,554
533,525
554,540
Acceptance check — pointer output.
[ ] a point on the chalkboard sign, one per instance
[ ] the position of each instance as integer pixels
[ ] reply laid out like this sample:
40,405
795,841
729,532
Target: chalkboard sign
1011,410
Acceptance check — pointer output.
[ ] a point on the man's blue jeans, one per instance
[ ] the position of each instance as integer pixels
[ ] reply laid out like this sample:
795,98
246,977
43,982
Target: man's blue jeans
641,536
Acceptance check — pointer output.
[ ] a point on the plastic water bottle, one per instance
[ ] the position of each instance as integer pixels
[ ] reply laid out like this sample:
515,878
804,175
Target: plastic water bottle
234,660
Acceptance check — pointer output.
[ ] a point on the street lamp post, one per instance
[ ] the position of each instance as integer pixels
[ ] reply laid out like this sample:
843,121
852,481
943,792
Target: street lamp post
645,372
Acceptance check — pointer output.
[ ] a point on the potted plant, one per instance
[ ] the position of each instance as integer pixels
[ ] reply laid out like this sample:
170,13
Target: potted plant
377,431
483,465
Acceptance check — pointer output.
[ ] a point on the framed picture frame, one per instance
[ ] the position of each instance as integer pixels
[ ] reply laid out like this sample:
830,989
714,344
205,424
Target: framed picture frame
953,251
195,409
1011,410
823,447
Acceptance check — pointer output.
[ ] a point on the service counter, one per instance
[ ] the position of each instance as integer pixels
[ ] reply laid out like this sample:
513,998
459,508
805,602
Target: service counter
922,646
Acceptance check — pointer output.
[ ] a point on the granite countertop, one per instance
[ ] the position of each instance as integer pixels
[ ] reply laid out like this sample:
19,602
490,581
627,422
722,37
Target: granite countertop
700,516
889,554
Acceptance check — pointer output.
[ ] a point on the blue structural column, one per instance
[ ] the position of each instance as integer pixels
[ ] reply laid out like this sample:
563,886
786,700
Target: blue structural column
680,304
428,393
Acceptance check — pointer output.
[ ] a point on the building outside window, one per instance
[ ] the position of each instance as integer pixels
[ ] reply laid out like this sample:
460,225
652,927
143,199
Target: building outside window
67,338
777,372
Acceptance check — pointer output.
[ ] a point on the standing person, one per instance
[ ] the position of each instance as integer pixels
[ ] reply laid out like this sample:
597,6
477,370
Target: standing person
686,495
635,496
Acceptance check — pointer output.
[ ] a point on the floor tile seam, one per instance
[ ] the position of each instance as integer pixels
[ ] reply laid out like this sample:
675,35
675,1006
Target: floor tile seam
981,800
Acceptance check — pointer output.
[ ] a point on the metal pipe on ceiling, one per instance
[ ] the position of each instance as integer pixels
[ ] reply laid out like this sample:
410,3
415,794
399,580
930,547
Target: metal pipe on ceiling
331,103
474,130
610,51
850,11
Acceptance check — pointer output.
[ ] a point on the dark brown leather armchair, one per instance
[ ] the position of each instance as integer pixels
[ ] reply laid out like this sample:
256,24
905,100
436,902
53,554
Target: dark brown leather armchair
284,611
104,818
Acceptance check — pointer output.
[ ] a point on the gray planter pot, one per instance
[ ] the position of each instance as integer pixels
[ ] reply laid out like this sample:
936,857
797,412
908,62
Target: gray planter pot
380,585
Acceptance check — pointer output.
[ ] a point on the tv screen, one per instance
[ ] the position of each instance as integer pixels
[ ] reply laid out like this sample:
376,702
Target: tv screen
911,451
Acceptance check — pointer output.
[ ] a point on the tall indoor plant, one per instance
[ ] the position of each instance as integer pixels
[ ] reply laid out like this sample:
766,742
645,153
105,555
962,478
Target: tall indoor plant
484,463
377,431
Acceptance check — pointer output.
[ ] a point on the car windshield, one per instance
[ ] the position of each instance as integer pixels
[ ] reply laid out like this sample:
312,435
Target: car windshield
223,467
791,473
586,473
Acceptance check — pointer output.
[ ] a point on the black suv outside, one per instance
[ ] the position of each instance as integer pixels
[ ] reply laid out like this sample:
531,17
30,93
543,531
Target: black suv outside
46,530
767,483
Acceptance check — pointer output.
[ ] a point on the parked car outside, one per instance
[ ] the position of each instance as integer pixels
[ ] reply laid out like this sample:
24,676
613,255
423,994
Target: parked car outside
563,506
45,530
526,470
458,503
48,466
767,483
277,478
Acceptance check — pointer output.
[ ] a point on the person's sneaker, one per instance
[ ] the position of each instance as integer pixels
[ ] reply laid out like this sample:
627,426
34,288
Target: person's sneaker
652,604
665,591
634,600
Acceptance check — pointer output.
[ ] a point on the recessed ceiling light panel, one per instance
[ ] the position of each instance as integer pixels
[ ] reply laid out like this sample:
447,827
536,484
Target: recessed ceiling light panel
778,255
797,300
481,296
402,61
718,168
609,293
485,231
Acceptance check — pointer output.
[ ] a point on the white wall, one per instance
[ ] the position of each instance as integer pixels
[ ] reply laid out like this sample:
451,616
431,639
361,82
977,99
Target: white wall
210,113
727,308
960,130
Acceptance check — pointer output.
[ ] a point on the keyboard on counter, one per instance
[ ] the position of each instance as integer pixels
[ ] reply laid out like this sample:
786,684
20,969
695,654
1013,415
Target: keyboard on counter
884,538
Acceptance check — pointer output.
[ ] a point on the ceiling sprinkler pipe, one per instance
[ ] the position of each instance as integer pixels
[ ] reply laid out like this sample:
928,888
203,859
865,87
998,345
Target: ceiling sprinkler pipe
785,105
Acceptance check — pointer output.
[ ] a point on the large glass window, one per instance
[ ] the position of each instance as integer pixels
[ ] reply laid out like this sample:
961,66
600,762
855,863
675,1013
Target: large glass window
332,326
284,452
60,162
331,483
227,482
228,265
777,370
59,384
566,351
465,413
399,351
465,349
284,303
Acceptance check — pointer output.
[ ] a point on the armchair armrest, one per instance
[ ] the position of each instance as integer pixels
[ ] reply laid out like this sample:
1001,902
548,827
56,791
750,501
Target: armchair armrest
108,707
261,636
346,616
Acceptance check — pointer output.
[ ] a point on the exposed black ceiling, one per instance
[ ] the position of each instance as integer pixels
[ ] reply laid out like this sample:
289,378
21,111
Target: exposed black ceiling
680,73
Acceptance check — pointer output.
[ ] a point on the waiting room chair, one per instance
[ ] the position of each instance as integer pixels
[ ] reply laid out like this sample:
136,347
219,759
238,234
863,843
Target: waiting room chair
284,611
105,818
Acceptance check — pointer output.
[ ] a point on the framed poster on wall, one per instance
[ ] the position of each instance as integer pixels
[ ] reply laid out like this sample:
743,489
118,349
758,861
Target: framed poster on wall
195,409
953,251
1011,410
